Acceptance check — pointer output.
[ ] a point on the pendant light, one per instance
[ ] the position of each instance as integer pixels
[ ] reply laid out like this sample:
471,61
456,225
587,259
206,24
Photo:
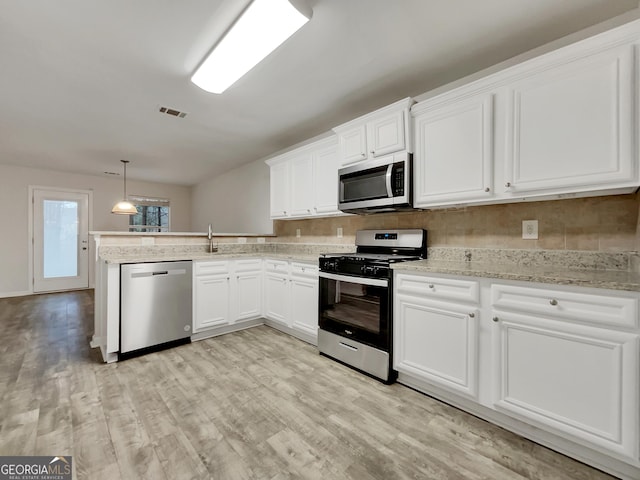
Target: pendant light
124,207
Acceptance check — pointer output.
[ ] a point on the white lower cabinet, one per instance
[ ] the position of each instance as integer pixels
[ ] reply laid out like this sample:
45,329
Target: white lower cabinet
580,381
304,298
247,297
557,364
291,298
212,306
436,339
276,296
226,292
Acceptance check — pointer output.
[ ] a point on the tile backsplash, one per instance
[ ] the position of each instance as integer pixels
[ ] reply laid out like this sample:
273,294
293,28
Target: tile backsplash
607,224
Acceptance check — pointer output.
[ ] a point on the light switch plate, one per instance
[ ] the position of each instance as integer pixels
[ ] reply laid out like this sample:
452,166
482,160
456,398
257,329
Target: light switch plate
530,229
147,241
297,233
339,232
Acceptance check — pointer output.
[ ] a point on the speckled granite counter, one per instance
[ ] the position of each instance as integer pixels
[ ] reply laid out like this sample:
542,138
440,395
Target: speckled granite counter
551,269
307,253
197,256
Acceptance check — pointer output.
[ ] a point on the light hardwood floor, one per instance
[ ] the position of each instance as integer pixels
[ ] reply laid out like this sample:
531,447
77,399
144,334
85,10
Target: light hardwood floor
255,404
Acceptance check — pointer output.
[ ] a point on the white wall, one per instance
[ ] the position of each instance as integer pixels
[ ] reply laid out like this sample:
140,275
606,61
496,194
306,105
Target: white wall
234,202
14,198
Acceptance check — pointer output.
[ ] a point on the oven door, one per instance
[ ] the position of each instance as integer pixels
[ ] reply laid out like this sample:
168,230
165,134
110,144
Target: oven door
356,308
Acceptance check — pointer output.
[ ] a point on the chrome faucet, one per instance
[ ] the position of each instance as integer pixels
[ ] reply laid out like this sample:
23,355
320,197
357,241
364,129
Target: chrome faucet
210,237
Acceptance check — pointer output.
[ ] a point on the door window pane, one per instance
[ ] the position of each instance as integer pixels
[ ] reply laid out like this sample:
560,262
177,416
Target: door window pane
60,238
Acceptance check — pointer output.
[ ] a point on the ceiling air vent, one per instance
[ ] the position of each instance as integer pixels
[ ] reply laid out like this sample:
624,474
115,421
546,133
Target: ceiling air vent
172,111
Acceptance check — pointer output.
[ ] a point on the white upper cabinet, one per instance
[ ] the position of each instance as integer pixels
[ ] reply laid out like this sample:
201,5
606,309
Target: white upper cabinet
280,193
454,151
387,134
384,131
304,182
302,198
325,175
571,126
353,144
561,124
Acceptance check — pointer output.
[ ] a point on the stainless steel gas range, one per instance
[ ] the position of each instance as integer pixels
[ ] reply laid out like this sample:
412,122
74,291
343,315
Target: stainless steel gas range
355,308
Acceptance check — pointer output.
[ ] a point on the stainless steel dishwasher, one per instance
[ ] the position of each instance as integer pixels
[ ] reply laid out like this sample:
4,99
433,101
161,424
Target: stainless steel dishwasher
155,305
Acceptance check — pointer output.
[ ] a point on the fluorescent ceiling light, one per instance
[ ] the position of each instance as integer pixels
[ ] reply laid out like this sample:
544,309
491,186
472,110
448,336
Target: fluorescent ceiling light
263,26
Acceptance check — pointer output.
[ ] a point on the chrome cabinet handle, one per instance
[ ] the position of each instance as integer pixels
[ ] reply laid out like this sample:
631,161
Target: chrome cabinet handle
373,152
363,154
472,315
487,189
553,302
508,184
495,319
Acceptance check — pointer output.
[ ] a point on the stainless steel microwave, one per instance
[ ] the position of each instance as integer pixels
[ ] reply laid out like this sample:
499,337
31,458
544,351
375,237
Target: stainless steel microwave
375,186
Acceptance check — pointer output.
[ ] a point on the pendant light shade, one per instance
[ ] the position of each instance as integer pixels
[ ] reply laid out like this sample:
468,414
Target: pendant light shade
124,207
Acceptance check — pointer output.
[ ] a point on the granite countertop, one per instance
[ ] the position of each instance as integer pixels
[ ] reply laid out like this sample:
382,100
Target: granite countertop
203,256
559,275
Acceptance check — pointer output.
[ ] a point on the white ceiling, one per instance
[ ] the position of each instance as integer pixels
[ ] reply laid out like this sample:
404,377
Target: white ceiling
81,80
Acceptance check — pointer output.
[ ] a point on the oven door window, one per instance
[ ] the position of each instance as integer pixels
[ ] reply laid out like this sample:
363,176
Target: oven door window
355,311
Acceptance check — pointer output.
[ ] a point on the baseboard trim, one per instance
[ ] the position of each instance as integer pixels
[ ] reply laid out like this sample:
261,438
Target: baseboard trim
589,456
224,329
15,294
305,337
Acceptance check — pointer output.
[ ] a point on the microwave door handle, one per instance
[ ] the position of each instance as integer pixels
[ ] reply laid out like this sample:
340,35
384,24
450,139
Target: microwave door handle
388,179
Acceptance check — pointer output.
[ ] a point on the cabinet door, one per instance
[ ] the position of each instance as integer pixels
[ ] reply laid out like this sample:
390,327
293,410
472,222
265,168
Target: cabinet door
211,301
353,145
386,134
437,342
302,185
325,177
304,305
454,153
581,381
572,125
280,190
276,298
248,295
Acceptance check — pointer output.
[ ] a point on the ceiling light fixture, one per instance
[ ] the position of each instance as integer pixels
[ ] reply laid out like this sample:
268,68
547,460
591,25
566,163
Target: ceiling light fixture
262,27
124,207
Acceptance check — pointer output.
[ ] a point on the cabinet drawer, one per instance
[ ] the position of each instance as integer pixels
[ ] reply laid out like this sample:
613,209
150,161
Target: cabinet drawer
248,265
433,287
211,268
583,307
304,270
280,266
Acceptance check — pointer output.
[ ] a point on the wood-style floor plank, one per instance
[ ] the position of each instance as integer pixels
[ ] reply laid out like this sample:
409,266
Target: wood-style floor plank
255,404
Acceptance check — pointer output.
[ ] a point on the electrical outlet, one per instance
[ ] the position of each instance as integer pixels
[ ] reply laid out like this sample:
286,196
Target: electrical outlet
260,239
242,239
339,232
147,241
530,229
297,233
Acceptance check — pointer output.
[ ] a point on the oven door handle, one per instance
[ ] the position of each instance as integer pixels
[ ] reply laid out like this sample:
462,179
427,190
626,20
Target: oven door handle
374,282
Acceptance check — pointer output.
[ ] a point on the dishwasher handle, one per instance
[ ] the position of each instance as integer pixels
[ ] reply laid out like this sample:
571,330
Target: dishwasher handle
181,271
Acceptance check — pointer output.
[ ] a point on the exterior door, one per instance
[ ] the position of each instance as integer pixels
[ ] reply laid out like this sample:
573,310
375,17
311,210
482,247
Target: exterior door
60,240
